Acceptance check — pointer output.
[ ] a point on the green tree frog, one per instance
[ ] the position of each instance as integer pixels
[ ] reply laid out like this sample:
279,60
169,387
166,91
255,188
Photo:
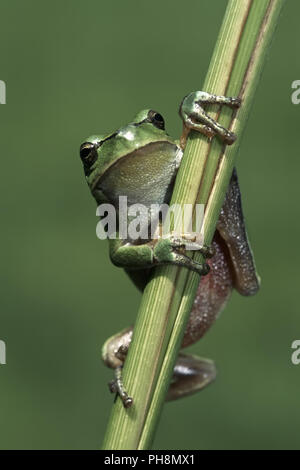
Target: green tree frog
140,161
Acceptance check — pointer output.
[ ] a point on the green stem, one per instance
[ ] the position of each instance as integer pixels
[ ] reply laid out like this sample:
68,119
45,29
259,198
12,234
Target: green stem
204,174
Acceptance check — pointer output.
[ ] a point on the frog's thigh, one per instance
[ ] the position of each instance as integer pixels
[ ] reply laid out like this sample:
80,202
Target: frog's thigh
191,374
212,294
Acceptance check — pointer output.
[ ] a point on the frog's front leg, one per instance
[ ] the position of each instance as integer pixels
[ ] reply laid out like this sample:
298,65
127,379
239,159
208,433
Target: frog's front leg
157,252
194,116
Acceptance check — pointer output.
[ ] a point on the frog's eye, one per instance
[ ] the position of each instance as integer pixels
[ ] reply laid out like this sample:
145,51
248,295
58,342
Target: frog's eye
156,119
88,153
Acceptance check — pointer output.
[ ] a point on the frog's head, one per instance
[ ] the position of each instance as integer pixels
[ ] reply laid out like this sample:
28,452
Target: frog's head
113,161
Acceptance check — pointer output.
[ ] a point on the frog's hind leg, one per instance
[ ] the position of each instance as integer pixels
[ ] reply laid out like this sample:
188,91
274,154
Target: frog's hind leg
191,374
115,348
114,353
116,386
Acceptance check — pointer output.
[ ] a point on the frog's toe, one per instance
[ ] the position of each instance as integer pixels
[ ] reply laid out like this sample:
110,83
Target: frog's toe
116,386
229,137
112,386
235,102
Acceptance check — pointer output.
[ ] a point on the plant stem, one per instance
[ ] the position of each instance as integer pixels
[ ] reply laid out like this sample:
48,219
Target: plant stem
203,177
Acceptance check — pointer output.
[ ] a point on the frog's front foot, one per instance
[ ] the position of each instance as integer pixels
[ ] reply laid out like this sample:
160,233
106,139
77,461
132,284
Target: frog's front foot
172,251
187,243
192,112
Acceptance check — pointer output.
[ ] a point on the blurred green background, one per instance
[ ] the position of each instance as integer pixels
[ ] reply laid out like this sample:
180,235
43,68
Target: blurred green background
73,68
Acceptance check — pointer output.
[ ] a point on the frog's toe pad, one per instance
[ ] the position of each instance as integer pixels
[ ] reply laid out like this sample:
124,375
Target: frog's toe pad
236,102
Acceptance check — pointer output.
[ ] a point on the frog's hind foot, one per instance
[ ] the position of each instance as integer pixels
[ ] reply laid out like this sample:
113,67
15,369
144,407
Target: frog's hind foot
191,374
114,353
116,386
